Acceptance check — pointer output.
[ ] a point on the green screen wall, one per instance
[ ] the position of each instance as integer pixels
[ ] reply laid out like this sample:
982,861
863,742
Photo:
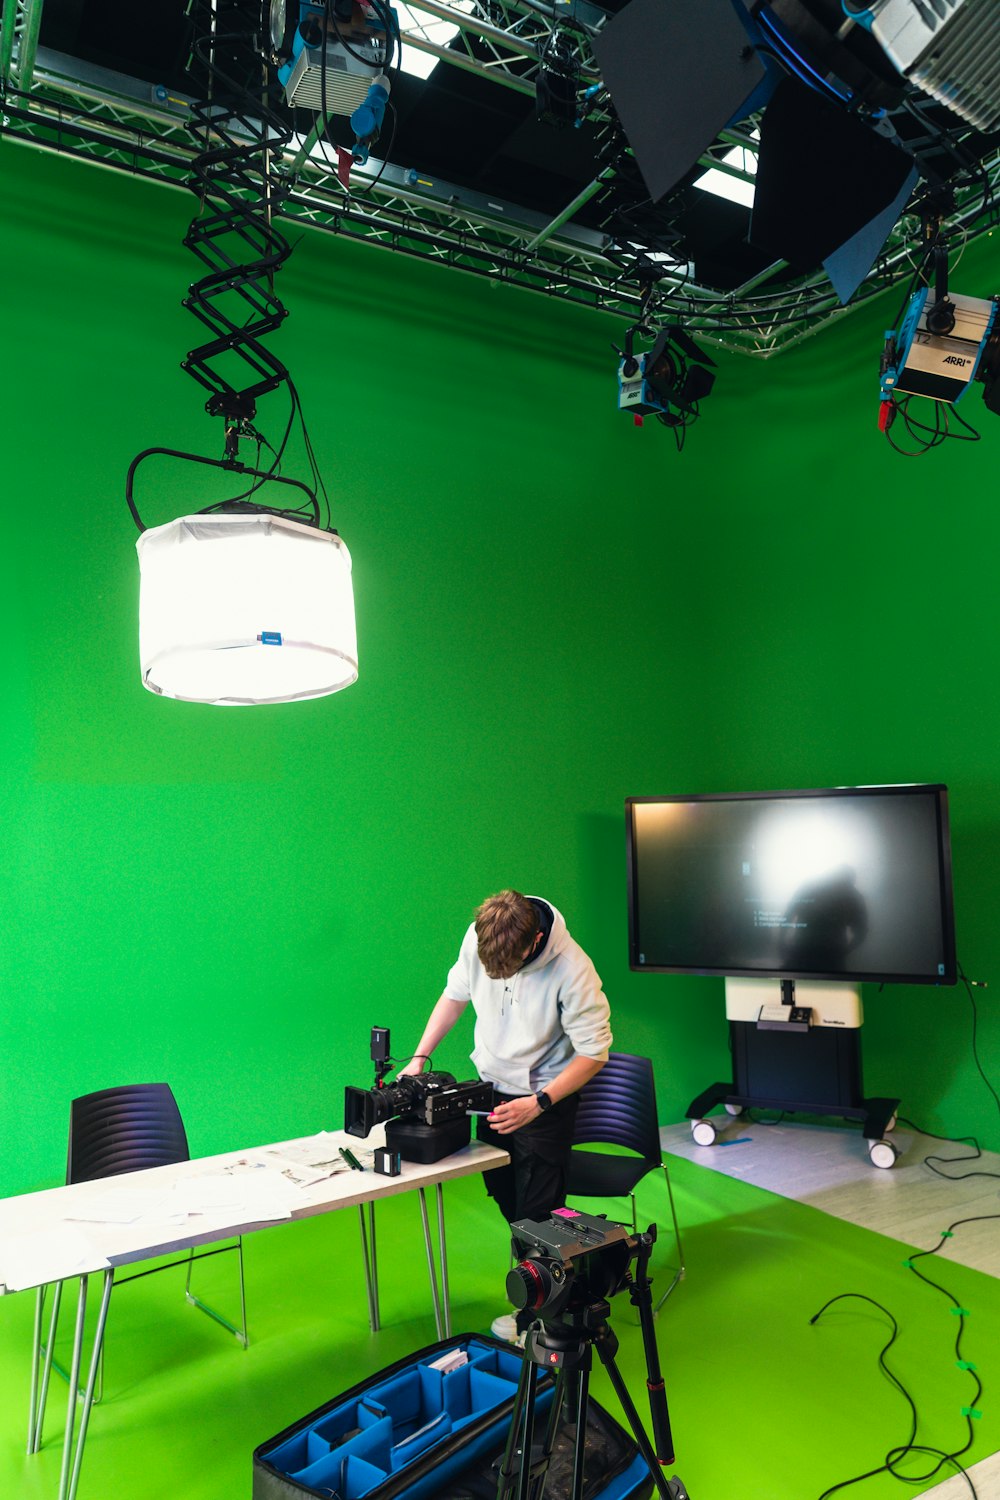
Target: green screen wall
555,611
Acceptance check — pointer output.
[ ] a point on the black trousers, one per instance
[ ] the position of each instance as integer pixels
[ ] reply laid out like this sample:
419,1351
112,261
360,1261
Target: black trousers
535,1182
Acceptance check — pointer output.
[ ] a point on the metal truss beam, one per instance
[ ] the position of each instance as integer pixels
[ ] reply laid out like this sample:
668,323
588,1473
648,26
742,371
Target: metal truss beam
19,30
61,104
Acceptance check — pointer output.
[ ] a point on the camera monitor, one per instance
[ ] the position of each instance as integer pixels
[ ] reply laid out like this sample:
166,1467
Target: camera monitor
851,884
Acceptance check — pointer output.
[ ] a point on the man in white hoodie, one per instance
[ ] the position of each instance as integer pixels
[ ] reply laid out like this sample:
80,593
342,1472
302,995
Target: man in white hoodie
542,1030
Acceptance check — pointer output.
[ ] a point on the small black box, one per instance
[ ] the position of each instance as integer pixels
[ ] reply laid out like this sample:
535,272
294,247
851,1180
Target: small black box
387,1162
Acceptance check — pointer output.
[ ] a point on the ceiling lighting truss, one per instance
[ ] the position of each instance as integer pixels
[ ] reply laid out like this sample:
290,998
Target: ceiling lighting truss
503,39
60,103
19,29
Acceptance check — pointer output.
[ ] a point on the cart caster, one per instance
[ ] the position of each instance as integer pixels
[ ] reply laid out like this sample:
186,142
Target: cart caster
892,1123
734,1109
704,1132
882,1154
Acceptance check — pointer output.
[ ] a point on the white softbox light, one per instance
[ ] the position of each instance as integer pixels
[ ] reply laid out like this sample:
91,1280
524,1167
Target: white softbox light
242,609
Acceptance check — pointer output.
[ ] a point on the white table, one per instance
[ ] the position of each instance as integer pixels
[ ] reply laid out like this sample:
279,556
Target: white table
40,1228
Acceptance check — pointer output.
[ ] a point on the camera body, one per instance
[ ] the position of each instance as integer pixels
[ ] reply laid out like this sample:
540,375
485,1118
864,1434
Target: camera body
431,1098
426,1116
569,1262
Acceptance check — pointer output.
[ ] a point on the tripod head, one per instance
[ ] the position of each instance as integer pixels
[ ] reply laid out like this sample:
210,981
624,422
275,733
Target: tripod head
572,1261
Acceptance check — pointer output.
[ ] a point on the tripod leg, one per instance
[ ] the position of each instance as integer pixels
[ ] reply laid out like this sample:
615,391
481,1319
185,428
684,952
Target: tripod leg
663,1486
520,1427
580,1443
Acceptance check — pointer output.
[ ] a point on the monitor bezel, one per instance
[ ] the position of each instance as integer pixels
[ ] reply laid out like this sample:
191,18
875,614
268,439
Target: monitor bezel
937,789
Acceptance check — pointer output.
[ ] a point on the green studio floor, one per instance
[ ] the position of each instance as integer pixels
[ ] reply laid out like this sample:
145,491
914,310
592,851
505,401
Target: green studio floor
763,1405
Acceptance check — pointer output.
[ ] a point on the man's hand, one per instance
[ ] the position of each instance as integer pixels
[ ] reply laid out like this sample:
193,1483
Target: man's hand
413,1067
513,1113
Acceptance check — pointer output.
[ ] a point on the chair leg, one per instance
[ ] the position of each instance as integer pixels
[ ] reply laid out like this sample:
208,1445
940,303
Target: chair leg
240,1334
680,1272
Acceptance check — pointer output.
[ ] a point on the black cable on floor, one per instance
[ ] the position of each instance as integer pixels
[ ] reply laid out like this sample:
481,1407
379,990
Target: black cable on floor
895,1456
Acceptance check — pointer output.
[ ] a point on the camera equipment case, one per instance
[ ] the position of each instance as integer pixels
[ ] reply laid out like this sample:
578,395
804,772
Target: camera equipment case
419,1430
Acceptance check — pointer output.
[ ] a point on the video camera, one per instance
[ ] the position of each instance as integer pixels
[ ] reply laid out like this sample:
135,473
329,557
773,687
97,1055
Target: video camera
426,1116
571,1261
431,1098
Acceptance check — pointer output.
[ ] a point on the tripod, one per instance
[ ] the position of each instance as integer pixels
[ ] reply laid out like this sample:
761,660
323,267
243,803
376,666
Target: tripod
566,1346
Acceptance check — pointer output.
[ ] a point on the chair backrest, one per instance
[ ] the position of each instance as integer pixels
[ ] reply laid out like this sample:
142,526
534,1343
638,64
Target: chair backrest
124,1130
618,1107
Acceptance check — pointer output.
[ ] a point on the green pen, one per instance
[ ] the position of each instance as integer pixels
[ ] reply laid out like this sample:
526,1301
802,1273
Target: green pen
351,1159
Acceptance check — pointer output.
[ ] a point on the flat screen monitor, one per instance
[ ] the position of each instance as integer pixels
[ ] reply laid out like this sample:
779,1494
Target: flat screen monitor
852,883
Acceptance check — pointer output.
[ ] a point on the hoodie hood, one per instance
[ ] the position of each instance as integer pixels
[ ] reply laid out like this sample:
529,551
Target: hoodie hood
552,926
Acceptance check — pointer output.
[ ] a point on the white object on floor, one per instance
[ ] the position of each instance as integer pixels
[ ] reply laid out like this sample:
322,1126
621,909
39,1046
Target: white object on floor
505,1327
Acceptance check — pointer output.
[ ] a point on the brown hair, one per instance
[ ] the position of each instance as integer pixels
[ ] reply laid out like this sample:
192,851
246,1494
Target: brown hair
506,925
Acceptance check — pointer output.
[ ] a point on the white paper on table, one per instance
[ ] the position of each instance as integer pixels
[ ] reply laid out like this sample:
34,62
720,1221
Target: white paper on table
124,1205
248,1199
304,1168
45,1255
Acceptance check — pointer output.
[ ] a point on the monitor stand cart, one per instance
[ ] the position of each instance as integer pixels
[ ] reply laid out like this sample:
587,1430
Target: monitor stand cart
797,1048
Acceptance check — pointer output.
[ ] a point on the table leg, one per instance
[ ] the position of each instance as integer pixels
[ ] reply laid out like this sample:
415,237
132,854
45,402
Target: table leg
35,1361
431,1268
35,1434
443,1254
74,1382
368,1250
88,1398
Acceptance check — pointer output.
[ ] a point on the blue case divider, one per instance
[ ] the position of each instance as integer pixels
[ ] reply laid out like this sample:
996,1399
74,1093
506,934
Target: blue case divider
456,1395
405,1452
399,1419
394,1422
496,1362
434,1486
357,1478
486,1390
412,1399
344,1473
372,1445
364,1413
305,1447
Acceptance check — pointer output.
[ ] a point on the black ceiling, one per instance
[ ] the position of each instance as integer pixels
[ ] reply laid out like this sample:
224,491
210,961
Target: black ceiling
454,125
470,131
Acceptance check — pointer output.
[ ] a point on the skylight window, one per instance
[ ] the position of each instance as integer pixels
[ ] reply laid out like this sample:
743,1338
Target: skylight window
724,184
428,28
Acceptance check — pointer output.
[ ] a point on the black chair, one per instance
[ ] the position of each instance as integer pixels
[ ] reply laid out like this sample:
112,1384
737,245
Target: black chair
618,1108
124,1130
128,1129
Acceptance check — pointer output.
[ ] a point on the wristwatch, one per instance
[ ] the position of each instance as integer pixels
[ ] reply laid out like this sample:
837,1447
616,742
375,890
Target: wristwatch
543,1101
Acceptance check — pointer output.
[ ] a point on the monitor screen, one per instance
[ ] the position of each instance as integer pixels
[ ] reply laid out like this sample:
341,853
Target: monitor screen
847,884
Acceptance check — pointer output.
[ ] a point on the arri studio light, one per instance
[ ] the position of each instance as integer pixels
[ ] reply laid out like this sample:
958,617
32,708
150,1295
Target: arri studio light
249,599
668,381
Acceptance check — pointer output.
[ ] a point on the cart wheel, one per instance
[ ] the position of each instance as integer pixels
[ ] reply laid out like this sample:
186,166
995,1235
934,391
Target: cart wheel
892,1123
703,1132
882,1154
734,1109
